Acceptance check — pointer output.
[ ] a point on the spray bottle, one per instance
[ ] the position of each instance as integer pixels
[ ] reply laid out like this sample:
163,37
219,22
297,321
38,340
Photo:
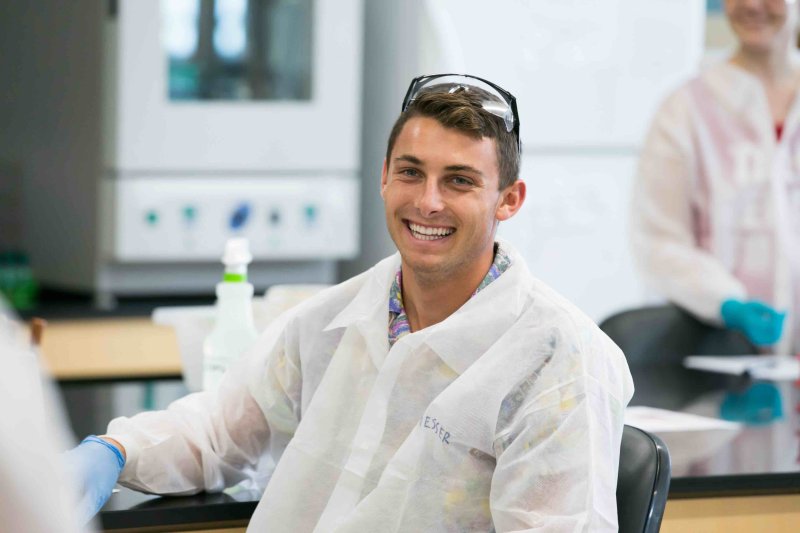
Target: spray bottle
234,332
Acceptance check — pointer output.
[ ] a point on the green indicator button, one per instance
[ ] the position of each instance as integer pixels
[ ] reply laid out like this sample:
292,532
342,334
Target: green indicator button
152,217
311,212
190,212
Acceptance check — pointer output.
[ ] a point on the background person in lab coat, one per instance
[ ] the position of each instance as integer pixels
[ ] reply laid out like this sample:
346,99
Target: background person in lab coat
716,208
445,389
36,496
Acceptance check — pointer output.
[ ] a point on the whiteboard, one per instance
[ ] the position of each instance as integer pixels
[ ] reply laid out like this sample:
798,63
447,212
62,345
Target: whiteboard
585,72
572,229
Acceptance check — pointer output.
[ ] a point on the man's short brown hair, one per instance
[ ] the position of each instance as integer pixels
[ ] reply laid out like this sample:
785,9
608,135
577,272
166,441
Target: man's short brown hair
463,111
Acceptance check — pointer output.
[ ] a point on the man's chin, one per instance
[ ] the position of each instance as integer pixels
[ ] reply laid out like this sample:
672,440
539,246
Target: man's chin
429,268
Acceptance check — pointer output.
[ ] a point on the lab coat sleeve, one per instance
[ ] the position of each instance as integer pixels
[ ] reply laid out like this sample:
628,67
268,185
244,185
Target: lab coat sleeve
208,441
662,223
557,459
37,493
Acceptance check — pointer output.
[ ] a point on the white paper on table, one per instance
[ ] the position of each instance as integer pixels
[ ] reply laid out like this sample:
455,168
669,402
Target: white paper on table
769,367
688,437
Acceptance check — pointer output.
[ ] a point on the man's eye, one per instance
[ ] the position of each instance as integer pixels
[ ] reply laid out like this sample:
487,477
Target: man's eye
410,172
461,180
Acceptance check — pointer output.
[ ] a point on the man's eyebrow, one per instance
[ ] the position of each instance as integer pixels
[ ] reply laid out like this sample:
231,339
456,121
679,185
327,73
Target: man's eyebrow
409,159
463,168
450,168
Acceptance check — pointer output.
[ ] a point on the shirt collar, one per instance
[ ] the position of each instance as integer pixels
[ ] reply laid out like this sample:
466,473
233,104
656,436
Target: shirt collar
396,293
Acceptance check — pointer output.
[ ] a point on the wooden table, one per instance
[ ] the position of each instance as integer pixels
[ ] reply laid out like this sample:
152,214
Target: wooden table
110,349
775,513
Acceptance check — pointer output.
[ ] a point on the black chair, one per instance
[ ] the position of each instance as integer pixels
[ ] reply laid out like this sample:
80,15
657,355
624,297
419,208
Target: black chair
642,482
656,339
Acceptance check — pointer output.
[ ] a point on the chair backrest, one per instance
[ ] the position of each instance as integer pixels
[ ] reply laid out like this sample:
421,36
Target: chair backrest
642,482
656,339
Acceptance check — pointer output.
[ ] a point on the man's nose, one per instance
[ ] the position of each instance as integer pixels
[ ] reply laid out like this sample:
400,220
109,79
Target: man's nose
429,199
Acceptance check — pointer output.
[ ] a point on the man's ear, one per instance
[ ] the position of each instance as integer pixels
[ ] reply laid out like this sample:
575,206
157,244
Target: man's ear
384,176
511,199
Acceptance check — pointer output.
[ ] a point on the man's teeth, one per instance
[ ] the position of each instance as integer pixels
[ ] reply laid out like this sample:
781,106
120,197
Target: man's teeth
426,233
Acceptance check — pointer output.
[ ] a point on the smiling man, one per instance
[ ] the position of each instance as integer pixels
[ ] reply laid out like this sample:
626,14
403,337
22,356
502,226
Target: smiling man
445,389
444,199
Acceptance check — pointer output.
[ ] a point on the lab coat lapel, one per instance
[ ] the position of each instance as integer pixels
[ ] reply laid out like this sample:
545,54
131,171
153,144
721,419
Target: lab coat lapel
369,310
469,332
748,101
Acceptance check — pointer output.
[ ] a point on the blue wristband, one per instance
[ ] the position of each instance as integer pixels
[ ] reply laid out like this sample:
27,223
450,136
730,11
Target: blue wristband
117,453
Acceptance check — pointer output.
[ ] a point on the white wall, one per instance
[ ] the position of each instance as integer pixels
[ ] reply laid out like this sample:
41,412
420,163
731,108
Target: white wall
587,76
573,228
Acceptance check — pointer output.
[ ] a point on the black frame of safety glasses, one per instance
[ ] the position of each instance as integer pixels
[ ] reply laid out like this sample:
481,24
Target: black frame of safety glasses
509,98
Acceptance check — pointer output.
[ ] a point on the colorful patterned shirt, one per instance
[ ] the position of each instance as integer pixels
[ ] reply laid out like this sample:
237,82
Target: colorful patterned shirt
398,320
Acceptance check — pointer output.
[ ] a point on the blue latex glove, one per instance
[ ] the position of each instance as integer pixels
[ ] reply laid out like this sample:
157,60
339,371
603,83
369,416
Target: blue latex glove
760,404
95,465
762,324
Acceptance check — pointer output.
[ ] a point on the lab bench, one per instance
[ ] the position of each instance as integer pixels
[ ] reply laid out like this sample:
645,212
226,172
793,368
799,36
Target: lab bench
129,511
712,496
85,344
731,503
110,349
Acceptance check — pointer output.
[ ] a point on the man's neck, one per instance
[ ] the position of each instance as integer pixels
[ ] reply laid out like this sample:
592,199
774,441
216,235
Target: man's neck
428,300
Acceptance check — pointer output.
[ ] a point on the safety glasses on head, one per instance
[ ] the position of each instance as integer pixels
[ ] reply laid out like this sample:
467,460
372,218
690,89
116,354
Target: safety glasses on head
497,100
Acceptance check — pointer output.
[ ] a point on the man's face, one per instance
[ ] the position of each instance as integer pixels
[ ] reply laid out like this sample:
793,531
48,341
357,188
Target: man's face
442,199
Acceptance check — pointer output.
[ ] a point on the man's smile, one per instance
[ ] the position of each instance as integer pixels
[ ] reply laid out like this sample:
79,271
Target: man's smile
428,233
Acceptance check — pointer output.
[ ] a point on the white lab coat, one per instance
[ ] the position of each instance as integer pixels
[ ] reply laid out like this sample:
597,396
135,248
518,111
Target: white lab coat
36,494
507,415
716,207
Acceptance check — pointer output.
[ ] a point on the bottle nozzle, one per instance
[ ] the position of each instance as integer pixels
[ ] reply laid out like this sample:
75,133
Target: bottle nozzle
237,252
236,258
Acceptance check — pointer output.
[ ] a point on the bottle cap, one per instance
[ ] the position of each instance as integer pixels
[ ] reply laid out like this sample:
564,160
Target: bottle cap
237,252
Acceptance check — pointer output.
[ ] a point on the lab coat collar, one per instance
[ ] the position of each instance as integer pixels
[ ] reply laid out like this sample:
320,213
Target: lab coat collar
724,76
469,332
463,336
743,95
373,297
369,309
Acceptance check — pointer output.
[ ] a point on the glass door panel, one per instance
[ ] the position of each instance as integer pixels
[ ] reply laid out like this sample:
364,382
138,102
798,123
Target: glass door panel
238,49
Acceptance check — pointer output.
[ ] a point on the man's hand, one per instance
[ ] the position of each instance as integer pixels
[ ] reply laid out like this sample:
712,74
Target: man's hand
95,465
762,324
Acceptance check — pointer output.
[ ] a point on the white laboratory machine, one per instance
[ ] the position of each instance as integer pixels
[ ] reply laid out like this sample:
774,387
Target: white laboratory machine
182,123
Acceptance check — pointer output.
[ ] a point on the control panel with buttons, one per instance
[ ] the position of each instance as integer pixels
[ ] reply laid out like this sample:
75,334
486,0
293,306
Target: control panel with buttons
189,219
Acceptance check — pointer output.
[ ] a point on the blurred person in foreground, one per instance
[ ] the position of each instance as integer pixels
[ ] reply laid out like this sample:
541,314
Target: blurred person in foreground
445,389
37,496
716,208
